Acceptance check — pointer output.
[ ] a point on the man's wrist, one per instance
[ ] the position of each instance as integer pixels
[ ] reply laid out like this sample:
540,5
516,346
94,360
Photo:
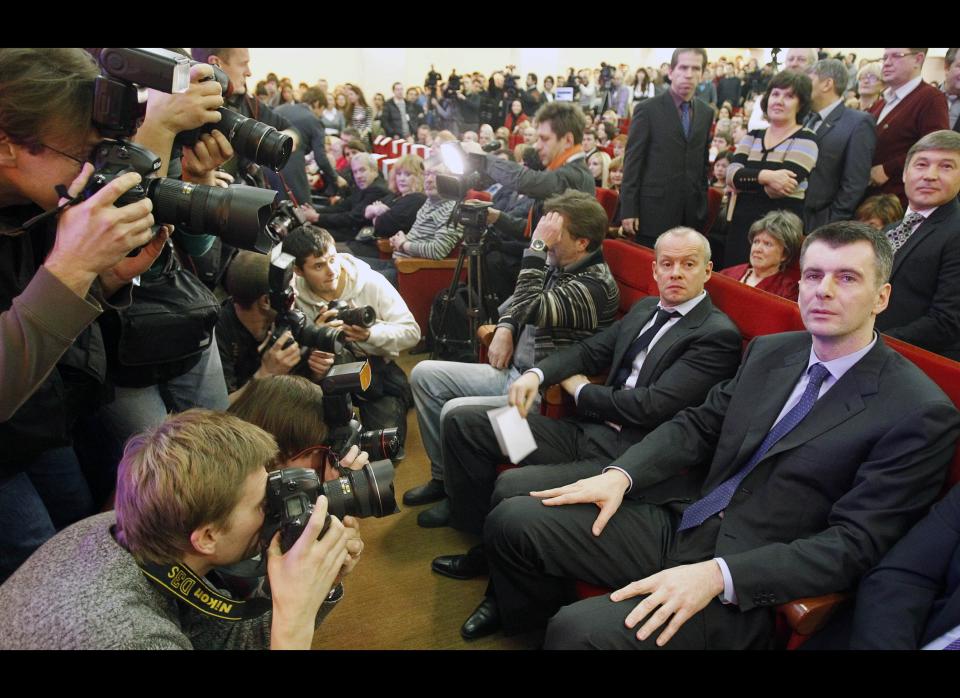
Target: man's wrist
612,468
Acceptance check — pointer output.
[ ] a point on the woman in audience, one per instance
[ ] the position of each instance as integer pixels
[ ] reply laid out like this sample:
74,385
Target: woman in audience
619,145
393,214
643,87
775,242
378,104
615,173
599,166
331,115
515,117
429,236
286,94
720,165
771,166
869,85
358,114
880,211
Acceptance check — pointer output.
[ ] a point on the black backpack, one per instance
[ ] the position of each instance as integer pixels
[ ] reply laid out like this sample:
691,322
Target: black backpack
451,339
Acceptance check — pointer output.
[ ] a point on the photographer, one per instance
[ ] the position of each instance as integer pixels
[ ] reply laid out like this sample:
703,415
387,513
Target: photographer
559,135
190,498
565,293
57,273
322,276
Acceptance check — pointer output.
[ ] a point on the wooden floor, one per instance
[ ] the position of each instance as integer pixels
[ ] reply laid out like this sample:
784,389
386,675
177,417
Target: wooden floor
392,599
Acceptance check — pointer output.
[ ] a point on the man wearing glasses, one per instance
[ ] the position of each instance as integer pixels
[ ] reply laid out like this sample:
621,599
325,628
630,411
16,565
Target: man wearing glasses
909,109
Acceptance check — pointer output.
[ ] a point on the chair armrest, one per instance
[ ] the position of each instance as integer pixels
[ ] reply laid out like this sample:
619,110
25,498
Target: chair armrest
485,334
806,616
409,265
385,248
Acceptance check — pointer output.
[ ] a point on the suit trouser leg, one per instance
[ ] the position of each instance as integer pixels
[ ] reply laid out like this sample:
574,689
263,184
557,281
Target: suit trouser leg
472,455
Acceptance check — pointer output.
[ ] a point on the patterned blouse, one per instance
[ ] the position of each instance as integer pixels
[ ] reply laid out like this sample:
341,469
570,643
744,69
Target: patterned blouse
797,153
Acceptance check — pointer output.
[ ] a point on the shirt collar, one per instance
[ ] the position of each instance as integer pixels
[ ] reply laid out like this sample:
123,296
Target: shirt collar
686,306
925,212
826,111
837,367
677,101
903,90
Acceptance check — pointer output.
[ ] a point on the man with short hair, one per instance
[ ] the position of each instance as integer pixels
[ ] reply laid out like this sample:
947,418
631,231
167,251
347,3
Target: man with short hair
951,86
666,165
823,450
564,293
925,304
798,60
908,110
620,96
345,218
190,498
665,355
846,139
323,275
305,117
396,119
589,144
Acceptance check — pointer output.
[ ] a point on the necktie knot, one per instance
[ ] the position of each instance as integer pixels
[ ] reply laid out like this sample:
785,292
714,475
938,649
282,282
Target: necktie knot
813,118
641,343
899,235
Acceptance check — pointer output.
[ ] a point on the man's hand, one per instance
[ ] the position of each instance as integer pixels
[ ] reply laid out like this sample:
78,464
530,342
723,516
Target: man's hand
878,177
279,359
680,592
186,110
492,215
396,242
95,235
354,546
200,162
127,269
573,382
310,214
501,348
353,459
606,491
356,333
523,392
377,208
222,179
341,182
782,182
301,578
320,362
549,229
631,225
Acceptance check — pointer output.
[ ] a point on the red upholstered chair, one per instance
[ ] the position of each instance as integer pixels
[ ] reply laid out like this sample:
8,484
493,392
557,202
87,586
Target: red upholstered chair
714,199
381,145
420,280
384,248
396,148
625,126
479,195
609,199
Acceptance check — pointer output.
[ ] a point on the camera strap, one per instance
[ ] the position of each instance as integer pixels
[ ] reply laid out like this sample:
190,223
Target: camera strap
190,589
64,194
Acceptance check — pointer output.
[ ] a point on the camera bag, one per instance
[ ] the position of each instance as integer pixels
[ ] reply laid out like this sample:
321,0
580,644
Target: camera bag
171,318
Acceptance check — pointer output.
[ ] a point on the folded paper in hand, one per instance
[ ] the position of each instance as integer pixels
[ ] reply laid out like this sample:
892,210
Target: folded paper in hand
513,433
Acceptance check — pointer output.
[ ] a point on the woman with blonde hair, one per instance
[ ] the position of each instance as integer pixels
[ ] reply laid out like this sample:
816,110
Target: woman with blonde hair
599,166
869,85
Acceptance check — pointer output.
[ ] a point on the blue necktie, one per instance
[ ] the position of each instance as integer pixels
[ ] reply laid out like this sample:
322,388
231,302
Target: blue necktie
719,499
685,118
641,343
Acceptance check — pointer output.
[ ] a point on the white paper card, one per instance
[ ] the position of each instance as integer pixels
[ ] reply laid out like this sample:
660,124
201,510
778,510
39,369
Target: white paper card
513,433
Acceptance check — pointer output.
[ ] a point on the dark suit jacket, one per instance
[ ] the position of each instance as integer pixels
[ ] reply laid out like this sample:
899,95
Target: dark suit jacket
827,501
921,112
700,350
312,137
664,174
925,302
913,596
391,120
846,141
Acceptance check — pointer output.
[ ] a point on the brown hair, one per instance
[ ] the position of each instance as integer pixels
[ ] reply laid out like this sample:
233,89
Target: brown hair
563,118
884,207
583,215
183,474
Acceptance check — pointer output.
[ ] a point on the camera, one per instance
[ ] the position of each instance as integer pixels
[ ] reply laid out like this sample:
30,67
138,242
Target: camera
289,318
286,217
606,76
345,431
453,85
251,139
361,317
292,494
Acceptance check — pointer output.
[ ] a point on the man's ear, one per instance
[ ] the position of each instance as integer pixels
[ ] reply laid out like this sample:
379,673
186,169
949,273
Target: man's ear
215,60
567,140
8,151
204,539
298,271
263,302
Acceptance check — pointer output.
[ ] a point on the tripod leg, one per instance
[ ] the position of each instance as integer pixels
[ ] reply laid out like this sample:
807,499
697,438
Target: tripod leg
454,282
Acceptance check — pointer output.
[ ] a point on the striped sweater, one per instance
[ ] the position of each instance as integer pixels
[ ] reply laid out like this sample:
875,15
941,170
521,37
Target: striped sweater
430,236
564,305
797,153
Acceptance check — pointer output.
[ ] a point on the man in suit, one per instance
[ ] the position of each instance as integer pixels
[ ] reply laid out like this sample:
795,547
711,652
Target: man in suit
305,117
667,160
908,110
951,86
925,304
664,355
846,139
823,450
397,118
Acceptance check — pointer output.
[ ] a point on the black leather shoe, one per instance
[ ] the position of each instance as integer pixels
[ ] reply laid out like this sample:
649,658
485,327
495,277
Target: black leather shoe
468,566
483,621
436,516
424,494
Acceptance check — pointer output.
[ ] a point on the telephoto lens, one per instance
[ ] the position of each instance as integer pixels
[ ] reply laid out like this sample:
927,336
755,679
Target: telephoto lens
250,138
365,316
362,493
380,443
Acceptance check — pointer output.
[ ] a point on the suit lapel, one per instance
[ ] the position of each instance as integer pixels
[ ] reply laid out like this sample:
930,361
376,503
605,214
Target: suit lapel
685,325
831,121
924,232
630,330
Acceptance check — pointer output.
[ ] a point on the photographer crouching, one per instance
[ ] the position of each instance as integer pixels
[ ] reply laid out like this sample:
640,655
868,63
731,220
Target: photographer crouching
193,495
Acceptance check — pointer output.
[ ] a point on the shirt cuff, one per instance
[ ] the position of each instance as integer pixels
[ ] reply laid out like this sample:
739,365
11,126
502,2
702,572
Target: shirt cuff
537,372
729,595
614,467
576,393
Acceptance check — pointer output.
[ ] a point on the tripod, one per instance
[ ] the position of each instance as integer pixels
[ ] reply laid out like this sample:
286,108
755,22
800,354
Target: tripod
471,251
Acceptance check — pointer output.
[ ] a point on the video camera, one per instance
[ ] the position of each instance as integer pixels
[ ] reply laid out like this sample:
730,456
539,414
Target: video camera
289,317
238,215
606,76
430,82
453,85
470,215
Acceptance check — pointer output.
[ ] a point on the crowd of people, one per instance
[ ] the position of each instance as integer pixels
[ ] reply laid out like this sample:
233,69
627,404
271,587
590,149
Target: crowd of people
718,482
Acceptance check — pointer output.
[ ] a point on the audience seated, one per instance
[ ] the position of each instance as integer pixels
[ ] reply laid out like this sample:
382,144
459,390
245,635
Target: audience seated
345,218
775,243
880,210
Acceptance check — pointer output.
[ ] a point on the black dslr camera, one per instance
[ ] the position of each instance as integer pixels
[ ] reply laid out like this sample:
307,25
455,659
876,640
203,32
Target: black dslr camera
304,332
345,430
292,494
361,317
238,215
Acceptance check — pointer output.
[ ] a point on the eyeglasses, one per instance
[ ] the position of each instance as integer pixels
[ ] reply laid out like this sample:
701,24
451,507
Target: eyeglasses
869,78
60,152
898,56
